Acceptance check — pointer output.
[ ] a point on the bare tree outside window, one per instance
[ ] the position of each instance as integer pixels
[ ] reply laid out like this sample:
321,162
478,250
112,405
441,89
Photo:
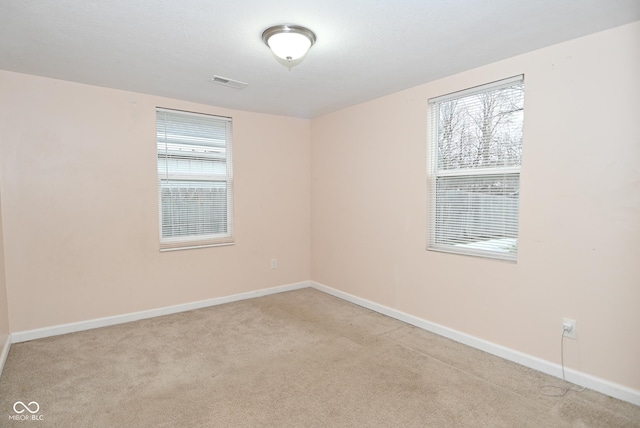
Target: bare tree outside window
476,141
483,130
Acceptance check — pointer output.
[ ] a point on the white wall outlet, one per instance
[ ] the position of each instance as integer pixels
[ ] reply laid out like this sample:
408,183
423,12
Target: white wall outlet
274,263
569,328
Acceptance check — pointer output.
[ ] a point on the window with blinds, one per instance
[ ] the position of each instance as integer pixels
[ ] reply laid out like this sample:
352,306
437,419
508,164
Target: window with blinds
475,139
195,182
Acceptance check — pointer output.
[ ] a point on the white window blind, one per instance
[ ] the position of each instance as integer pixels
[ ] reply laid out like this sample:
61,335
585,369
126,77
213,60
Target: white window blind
195,180
475,140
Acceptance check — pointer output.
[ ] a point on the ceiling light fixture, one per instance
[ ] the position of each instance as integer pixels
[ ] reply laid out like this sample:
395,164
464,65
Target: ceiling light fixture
289,42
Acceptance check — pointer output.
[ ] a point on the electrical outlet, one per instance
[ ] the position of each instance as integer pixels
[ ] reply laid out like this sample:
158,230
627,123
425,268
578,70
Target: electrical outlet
274,263
569,328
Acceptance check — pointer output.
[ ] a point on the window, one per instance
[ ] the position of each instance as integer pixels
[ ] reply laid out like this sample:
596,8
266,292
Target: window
195,185
475,139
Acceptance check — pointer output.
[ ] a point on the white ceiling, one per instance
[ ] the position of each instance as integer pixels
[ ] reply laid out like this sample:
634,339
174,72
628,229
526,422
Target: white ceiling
365,48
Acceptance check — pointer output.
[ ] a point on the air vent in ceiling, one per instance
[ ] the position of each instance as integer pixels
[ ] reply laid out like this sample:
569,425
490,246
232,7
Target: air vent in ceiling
235,84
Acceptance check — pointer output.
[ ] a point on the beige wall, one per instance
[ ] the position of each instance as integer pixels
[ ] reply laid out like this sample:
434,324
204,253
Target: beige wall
80,205
579,253
4,307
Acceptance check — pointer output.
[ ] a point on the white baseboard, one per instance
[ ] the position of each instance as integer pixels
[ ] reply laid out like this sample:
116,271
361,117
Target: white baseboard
5,352
24,336
583,379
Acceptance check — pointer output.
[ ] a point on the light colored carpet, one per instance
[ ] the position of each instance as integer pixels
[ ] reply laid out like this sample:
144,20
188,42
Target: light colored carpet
295,359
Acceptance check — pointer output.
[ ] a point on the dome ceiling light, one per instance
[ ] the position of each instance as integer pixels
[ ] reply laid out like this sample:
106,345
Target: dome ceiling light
289,42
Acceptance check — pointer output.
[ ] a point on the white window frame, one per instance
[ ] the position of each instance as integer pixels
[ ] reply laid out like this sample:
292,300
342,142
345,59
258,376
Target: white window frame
445,231
173,126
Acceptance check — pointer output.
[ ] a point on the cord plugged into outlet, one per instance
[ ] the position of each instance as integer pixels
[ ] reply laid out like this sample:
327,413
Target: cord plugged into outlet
569,328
